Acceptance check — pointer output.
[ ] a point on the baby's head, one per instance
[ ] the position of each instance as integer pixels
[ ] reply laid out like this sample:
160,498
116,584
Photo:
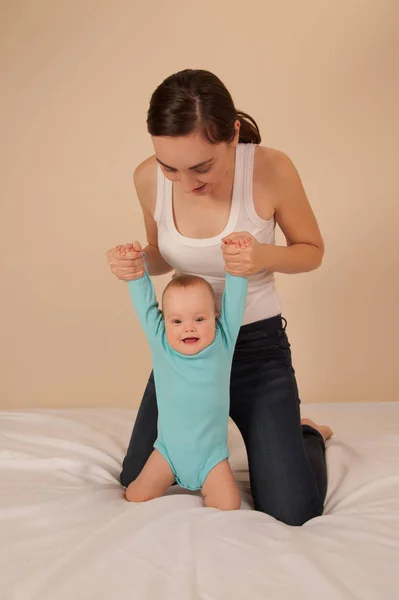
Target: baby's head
189,310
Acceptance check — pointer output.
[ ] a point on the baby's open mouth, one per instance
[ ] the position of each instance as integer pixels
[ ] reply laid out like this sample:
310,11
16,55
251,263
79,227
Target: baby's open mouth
190,340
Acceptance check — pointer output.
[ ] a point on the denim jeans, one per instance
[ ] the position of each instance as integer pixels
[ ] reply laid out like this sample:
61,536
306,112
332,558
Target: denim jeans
287,467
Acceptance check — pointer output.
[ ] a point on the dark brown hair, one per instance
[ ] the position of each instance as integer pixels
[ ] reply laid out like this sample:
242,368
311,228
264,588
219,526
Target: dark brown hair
197,99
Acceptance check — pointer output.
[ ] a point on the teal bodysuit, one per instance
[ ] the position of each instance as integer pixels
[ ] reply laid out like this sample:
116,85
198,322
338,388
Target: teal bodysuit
193,391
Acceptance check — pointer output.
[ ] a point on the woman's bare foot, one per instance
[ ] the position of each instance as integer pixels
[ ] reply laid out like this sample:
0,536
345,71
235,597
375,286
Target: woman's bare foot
325,430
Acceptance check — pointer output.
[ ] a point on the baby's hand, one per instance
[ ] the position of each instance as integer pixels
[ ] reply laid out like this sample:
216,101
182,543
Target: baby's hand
239,239
242,253
130,250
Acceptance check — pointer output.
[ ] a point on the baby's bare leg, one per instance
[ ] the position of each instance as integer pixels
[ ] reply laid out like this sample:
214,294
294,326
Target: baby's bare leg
153,481
220,489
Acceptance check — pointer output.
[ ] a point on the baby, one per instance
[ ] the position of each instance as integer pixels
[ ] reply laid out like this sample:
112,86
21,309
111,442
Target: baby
192,349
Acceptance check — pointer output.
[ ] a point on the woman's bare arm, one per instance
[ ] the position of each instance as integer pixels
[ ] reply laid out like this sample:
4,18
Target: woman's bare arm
127,265
145,181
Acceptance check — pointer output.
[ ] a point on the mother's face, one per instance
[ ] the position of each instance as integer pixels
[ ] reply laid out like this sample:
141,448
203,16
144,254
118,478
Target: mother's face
195,164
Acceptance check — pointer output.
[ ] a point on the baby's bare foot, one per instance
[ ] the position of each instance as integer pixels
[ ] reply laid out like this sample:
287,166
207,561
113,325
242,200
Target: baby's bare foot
325,430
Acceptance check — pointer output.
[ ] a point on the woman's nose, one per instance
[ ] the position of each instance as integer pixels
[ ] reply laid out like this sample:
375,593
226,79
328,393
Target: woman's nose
188,182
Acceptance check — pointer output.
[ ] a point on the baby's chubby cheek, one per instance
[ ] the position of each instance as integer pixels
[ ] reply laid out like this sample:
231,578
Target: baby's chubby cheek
171,336
209,335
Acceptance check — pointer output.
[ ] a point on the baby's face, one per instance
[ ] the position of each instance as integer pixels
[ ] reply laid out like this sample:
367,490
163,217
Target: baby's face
190,318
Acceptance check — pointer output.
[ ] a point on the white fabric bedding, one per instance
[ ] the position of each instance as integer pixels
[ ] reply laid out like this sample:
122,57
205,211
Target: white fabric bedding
66,533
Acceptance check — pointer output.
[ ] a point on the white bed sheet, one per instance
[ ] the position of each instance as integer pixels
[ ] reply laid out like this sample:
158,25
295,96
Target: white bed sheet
67,533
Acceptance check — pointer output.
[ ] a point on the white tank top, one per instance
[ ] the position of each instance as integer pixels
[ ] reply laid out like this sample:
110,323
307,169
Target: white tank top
203,257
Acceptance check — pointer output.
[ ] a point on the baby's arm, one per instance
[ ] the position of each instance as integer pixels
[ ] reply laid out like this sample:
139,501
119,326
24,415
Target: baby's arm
233,302
144,300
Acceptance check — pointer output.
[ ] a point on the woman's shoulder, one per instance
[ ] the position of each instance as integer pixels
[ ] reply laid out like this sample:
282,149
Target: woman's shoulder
272,165
274,178
145,182
146,172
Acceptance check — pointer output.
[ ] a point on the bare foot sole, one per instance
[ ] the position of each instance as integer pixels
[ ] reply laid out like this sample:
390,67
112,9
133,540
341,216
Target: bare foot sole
325,430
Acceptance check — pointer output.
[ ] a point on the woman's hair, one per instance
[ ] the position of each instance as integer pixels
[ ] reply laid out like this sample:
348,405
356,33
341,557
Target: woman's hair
197,100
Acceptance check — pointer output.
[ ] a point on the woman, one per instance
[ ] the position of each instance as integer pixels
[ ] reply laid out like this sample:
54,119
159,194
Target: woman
208,178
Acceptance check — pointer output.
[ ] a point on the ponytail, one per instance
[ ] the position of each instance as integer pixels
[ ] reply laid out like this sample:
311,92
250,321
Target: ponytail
249,131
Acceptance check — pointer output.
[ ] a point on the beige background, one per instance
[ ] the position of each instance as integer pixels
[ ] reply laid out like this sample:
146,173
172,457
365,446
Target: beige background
322,80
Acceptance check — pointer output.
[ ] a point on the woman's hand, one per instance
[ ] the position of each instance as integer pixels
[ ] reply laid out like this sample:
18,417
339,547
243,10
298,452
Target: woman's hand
126,261
242,253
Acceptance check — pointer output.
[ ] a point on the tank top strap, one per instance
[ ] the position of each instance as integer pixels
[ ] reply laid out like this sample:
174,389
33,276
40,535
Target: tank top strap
248,198
239,176
248,169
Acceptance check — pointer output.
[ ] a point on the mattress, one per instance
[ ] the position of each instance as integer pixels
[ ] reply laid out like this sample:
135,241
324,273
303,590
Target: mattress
66,531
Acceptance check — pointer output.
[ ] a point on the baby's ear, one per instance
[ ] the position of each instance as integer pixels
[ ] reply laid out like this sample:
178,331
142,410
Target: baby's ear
217,314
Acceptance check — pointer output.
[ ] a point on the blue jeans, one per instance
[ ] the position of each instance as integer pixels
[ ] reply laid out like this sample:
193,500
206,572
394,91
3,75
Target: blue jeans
287,467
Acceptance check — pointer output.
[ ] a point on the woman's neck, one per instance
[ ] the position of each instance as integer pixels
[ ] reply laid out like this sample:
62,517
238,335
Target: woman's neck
225,187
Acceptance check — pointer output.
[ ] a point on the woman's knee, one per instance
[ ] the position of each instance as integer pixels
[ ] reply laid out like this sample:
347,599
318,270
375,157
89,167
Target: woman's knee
291,513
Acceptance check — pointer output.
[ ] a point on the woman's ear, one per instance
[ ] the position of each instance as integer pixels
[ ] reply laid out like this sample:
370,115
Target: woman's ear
237,127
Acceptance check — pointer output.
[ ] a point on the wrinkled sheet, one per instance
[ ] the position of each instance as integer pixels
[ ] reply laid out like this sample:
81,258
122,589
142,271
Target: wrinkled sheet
66,531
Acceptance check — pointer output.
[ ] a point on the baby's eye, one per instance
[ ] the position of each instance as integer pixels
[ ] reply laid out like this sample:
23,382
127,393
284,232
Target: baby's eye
199,319
176,321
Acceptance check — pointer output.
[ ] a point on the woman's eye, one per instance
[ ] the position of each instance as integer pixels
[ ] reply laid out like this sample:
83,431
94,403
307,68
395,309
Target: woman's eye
202,171
168,169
